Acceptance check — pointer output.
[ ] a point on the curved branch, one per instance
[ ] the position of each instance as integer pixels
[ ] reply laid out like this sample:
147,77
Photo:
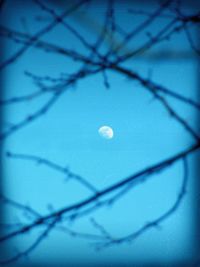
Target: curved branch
155,223
56,167
86,202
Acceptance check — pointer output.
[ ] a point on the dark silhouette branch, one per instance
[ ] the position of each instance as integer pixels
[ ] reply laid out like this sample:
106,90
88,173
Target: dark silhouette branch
155,223
68,174
35,244
40,34
57,91
153,88
78,206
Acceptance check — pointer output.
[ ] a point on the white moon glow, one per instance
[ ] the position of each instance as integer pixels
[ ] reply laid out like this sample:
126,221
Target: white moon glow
106,132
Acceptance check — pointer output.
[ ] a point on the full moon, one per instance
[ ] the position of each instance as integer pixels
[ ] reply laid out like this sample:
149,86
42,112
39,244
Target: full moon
106,132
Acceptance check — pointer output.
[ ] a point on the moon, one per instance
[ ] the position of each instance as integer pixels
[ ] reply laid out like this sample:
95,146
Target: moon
106,132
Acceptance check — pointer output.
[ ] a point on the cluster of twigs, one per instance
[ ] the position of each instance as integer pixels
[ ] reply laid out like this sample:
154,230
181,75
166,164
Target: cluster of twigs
96,61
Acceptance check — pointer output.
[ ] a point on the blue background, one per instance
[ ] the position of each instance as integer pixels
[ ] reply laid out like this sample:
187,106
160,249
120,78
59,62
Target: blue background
67,134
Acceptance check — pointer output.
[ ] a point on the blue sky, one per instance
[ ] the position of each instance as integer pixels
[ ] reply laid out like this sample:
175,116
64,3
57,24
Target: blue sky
68,135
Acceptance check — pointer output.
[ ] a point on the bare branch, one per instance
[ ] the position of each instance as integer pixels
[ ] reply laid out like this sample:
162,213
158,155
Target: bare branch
56,167
77,206
39,34
155,223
